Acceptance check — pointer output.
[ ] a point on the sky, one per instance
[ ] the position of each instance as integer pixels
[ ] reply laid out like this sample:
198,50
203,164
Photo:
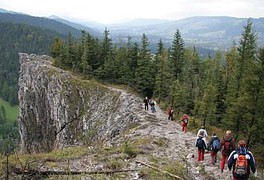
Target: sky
113,11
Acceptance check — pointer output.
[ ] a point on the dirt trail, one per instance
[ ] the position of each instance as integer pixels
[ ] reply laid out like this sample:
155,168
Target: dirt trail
180,145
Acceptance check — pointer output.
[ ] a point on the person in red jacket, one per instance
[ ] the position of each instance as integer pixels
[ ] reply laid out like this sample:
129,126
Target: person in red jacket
227,146
185,121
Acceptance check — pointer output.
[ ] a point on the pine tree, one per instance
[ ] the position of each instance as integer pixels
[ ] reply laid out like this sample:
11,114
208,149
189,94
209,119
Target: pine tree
144,75
163,80
255,139
70,56
238,111
191,77
177,54
87,55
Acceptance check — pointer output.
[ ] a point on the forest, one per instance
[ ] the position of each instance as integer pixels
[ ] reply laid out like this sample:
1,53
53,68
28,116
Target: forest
224,91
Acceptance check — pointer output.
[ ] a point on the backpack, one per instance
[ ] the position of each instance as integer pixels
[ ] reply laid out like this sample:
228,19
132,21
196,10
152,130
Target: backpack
200,143
241,165
227,146
216,145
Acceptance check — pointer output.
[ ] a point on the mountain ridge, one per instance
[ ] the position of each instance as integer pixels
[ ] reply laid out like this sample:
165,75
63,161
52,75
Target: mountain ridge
207,32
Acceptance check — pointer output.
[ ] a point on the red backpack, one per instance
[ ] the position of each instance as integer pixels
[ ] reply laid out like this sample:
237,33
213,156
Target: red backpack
227,146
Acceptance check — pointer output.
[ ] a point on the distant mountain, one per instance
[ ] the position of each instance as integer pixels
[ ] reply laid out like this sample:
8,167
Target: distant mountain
208,32
91,24
204,32
78,26
41,22
139,23
10,12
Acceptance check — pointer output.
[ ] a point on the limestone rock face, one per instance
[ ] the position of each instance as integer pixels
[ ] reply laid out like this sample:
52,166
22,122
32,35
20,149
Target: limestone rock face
57,109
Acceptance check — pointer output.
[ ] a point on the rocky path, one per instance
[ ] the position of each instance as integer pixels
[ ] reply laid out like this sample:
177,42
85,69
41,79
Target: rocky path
180,146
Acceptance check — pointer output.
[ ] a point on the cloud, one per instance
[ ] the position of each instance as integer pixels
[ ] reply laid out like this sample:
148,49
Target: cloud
114,10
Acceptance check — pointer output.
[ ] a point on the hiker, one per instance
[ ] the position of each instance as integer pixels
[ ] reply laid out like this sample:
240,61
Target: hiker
146,102
227,146
241,160
205,135
170,112
152,104
201,145
185,120
214,145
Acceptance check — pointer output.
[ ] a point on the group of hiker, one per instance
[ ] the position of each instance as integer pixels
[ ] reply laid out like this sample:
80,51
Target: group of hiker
239,159
150,102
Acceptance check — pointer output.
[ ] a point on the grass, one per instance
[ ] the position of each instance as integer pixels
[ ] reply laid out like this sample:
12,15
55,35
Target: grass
171,166
11,111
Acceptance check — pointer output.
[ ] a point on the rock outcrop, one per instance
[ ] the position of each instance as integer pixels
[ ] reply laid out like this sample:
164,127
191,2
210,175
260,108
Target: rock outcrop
57,109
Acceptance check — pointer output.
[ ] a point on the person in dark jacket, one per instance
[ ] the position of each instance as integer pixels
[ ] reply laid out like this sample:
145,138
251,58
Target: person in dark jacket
200,144
214,145
170,112
227,146
241,173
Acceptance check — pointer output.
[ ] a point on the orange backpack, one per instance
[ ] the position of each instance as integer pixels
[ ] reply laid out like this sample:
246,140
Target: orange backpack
241,165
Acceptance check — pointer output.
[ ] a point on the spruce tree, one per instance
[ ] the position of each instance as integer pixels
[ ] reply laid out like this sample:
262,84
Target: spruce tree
144,75
177,54
163,80
240,100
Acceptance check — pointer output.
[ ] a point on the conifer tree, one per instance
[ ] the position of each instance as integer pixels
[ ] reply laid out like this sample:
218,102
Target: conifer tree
144,73
106,50
191,78
87,55
177,54
178,95
133,57
238,110
163,80
106,56
70,56
255,138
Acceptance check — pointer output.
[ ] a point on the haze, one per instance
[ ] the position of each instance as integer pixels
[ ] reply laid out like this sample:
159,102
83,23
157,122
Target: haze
112,11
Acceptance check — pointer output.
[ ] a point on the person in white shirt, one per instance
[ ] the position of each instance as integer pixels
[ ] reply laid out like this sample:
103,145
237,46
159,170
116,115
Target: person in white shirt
204,132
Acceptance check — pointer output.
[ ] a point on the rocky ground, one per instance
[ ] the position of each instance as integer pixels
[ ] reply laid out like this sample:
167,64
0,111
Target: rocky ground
181,146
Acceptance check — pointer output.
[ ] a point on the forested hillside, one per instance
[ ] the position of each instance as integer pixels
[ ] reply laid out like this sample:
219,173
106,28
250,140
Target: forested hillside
40,22
17,38
224,91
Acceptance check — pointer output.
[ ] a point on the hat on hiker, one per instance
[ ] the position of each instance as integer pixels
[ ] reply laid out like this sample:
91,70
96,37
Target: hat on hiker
228,132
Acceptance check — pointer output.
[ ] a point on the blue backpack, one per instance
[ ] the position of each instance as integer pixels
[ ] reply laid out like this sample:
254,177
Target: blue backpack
216,145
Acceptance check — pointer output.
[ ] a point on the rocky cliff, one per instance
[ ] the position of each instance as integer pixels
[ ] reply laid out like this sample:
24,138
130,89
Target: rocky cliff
57,109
